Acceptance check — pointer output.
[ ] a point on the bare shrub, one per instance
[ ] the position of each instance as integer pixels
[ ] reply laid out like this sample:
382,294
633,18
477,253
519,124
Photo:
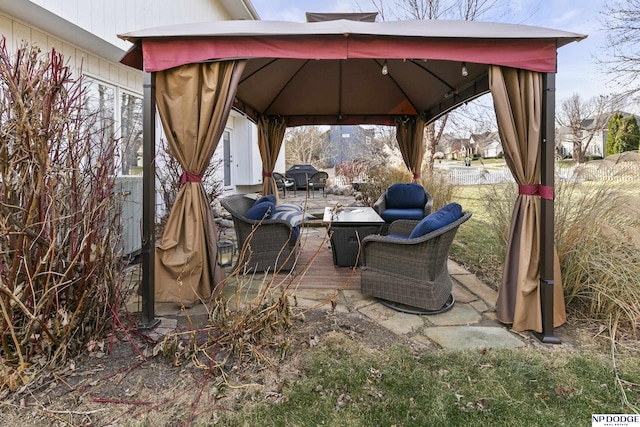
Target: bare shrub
440,188
248,328
60,274
352,171
378,178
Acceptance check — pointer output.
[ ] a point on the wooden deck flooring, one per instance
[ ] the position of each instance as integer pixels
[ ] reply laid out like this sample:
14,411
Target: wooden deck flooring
314,268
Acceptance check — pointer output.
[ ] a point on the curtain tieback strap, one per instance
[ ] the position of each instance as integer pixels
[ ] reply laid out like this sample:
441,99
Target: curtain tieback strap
543,191
416,176
189,177
267,174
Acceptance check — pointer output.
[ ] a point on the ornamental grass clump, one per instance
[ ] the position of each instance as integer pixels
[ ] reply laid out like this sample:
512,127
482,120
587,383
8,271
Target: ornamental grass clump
439,186
59,224
597,235
598,239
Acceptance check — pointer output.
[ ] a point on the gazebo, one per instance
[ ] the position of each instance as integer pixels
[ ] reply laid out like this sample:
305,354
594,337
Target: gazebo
346,70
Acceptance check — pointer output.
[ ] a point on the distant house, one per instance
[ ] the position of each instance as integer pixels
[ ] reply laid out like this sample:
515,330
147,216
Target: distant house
348,143
455,148
486,144
85,32
595,130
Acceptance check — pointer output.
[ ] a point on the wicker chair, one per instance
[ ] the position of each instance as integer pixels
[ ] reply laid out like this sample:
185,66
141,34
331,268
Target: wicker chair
410,274
283,183
265,245
408,202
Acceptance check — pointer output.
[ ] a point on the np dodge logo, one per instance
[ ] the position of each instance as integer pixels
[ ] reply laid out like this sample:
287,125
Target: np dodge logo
617,420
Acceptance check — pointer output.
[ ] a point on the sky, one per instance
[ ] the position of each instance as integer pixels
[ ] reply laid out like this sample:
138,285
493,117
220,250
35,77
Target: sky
578,71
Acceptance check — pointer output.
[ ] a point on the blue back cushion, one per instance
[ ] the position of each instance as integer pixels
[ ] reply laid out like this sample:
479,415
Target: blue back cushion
268,198
443,216
259,210
405,196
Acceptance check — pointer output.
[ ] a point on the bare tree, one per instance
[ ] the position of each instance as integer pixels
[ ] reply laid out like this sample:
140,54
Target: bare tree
305,145
582,121
620,19
466,10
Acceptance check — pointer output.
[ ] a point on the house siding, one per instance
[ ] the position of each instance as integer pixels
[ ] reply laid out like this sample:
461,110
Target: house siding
108,18
17,33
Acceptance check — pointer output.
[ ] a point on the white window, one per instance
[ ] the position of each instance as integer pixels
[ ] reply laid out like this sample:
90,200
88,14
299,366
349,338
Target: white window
131,133
118,115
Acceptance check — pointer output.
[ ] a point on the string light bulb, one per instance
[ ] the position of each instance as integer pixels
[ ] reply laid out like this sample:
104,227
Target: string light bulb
385,69
465,72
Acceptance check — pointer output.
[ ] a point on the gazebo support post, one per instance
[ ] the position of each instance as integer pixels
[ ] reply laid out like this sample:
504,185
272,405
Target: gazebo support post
547,157
147,319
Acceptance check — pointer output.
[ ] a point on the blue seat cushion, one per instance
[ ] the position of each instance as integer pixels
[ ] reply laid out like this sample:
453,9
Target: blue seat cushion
405,196
440,218
262,210
390,215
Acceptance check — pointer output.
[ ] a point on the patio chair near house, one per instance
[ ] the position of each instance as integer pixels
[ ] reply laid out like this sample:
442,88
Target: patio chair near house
318,180
264,244
284,184
407,269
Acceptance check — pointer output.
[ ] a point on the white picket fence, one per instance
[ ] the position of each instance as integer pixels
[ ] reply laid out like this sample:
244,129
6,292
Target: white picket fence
471,176
588,172
479,176
624,171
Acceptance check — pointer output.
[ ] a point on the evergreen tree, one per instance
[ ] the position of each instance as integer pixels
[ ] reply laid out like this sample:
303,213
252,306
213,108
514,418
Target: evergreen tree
629,135
612,135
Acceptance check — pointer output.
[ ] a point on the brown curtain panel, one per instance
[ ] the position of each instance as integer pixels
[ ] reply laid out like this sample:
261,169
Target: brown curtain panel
517,98
194,102
410,137
270,135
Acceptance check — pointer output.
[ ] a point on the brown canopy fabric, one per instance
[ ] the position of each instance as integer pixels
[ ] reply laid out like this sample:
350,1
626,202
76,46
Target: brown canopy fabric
330,72
194,102
270,135
517,98
410,136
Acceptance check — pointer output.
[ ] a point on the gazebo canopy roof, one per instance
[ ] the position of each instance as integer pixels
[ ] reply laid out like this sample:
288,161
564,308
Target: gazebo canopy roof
330,72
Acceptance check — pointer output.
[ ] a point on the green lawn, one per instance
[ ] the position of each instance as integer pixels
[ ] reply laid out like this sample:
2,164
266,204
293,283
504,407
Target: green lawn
342,384
477,246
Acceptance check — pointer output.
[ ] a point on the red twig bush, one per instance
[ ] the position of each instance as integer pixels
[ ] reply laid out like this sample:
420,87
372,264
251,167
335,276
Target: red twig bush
60,272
